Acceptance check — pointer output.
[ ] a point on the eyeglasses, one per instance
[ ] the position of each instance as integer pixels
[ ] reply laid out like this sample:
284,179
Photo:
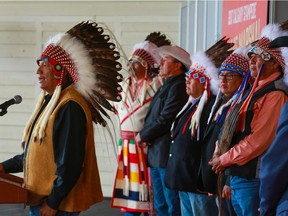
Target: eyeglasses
227,76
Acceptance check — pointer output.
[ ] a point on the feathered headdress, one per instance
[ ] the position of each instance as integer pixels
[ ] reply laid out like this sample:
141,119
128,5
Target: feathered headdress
143,51
90,57
237,62
262,46
204,68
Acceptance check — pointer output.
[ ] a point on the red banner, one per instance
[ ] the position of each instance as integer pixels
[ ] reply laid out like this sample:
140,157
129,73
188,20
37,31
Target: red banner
243,21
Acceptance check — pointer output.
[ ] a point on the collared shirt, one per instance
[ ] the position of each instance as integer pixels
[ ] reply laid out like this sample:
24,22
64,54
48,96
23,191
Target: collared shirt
191,101
263,127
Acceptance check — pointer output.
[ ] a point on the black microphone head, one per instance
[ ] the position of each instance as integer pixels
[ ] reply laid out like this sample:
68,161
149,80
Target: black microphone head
17,99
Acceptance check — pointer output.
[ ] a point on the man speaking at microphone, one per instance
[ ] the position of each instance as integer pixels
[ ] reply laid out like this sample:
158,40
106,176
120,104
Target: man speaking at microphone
59,162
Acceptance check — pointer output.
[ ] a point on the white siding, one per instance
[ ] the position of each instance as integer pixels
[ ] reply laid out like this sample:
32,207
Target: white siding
25,27
200,24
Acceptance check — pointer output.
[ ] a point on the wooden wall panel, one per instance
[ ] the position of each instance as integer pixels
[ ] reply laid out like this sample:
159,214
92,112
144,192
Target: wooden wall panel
17,50
107,8
15,77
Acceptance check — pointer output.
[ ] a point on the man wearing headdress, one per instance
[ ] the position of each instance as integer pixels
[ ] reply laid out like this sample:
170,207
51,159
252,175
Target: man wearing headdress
231,76
273,171
131,188
59,161
257,122
187,134
165,105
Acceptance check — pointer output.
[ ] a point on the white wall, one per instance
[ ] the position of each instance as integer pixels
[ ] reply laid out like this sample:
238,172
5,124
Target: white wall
24,28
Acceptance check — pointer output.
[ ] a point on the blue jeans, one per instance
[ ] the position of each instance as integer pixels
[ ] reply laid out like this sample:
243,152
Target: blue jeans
35,211
193,204
166,201
245,196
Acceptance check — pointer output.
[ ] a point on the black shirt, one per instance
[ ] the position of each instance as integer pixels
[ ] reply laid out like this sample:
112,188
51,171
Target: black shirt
69,137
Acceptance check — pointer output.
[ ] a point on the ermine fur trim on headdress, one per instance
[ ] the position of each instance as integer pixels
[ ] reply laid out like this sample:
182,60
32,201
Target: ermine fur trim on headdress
39,131
195,120
32,118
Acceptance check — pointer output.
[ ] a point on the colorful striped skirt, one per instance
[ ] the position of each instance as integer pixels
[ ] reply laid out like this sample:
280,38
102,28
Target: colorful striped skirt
131,187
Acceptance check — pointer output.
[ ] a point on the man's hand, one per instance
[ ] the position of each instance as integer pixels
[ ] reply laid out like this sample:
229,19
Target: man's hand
137,138
139,142
215,162
226,192
45,210
143,144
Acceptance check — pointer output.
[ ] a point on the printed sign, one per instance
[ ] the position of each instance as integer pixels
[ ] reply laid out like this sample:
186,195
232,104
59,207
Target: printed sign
242,21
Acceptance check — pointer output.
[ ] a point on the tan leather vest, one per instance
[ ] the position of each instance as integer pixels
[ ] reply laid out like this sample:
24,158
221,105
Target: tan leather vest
40,166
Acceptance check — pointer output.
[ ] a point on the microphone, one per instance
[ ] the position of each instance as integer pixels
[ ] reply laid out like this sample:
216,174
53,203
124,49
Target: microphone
3,107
